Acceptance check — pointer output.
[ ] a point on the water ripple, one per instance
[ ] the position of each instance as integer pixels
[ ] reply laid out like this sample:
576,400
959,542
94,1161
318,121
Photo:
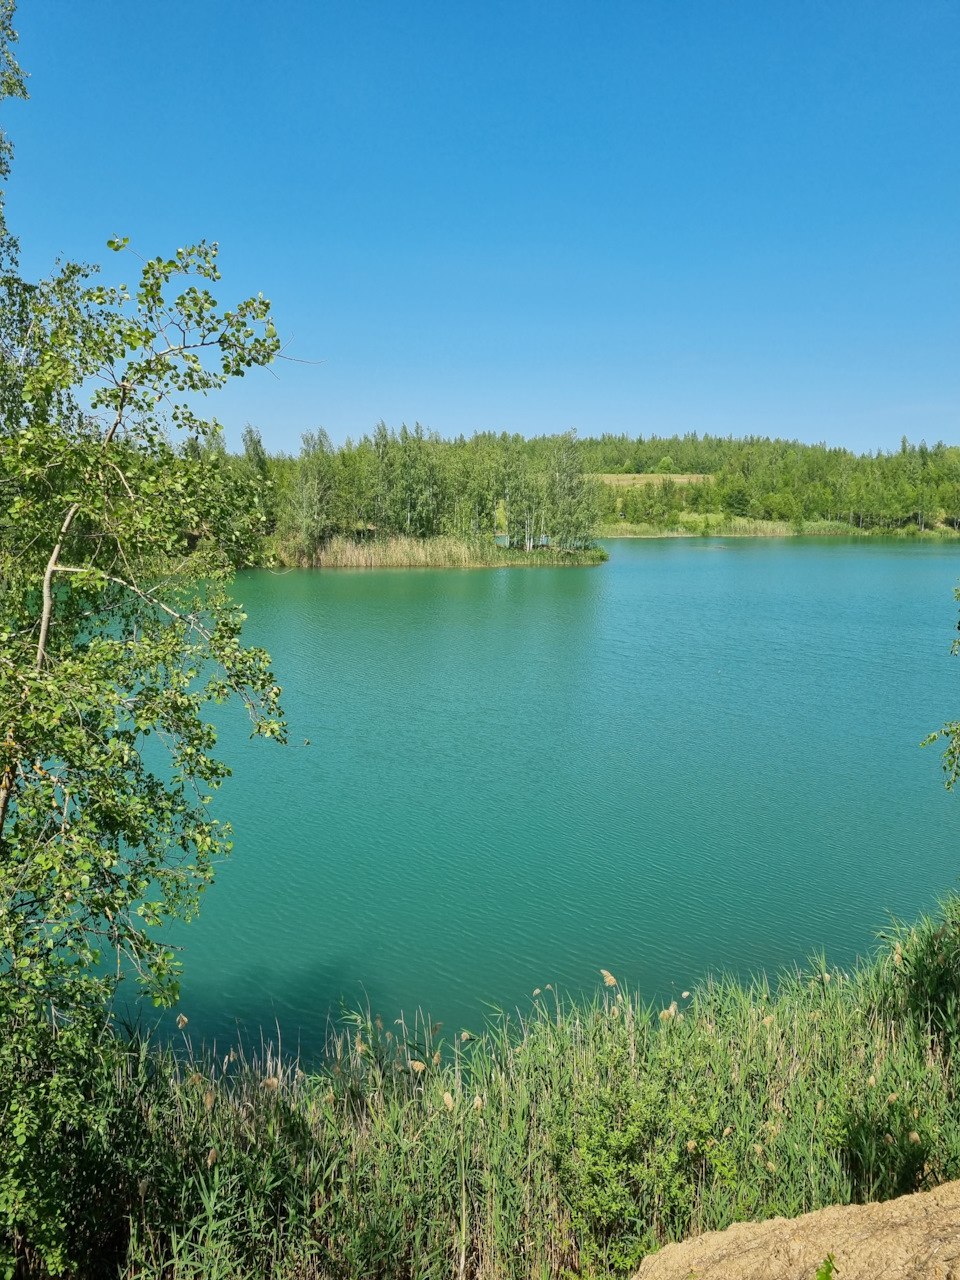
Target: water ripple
678,763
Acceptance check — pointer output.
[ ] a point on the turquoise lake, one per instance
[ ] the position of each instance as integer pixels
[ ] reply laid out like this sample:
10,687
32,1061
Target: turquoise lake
700,757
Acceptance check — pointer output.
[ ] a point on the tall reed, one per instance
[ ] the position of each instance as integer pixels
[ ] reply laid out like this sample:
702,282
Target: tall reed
441,552
569,1142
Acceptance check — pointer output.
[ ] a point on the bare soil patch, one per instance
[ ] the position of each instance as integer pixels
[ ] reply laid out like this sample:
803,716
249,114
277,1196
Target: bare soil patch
915,1237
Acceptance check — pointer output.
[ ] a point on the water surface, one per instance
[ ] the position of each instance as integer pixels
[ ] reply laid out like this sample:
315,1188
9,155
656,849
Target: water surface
702,756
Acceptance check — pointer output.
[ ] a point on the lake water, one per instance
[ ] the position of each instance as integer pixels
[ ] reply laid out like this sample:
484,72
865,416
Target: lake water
702,756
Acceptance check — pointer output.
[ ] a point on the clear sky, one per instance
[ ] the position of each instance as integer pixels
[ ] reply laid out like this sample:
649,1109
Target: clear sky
726,216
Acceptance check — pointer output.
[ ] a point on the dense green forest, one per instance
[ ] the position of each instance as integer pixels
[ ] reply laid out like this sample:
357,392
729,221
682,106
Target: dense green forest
416,485
785,480
529,492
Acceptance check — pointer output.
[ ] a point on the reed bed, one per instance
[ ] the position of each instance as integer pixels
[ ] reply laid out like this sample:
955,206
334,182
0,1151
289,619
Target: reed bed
569,1142
442,552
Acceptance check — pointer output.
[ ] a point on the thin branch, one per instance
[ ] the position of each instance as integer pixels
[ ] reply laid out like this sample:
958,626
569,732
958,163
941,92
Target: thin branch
123,479
52,562
144,595
9,777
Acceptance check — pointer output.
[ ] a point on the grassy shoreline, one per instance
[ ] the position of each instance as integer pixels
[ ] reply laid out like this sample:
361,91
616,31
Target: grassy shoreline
449,552
569,1142
444,552
720,526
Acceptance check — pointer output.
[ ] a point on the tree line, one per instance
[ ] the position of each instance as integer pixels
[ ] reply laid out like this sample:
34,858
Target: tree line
548,489
783,480
413,483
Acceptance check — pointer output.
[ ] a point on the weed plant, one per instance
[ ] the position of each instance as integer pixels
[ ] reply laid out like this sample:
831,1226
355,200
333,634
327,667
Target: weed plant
569,1143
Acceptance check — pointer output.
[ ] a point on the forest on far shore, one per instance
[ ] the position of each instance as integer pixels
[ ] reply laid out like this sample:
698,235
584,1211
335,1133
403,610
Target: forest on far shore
550,489
758,478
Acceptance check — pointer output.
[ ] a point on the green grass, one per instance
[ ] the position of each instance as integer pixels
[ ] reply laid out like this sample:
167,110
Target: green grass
441,552
570,1143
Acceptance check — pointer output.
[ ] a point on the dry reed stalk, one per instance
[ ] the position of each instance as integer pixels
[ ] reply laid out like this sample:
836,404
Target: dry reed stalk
442,552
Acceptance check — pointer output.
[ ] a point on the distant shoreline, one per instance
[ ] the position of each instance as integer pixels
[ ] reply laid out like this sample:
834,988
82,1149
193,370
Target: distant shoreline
743,527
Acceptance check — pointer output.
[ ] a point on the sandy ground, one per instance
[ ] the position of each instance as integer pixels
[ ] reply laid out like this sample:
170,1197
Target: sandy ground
914,1238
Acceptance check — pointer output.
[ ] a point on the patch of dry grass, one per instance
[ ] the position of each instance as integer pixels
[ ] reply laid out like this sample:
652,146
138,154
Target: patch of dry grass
445,552
619,480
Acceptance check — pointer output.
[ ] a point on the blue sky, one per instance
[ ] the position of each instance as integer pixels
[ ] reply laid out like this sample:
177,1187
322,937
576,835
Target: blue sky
731,216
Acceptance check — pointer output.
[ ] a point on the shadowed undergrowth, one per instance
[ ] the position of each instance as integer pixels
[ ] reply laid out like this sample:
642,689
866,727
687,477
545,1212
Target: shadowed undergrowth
571,1143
